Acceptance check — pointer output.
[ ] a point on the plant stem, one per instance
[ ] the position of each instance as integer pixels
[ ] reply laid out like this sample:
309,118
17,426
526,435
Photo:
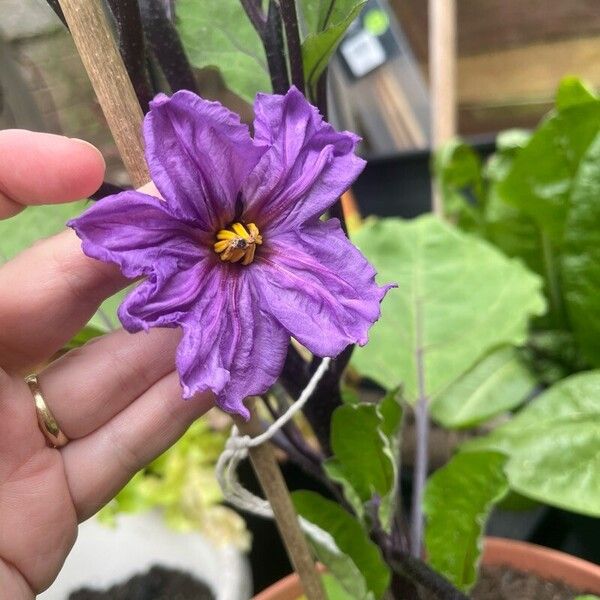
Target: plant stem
256,16
132,47
421,441
552,281
167,47
418,571
275,49
292,36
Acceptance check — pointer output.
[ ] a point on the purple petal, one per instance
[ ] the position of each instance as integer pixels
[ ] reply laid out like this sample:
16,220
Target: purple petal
229,344
139,233
198,153
320,287
307,167
163,300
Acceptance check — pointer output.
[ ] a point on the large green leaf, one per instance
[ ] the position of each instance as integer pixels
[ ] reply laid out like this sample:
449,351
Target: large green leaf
458,500
540,179
553,445
581,256
319,46
219,34
496,384
457,298
359,555
365,445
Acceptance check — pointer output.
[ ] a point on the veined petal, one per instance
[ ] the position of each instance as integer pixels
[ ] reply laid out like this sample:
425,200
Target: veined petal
320,287
164,299
198,153
229,345
139,233
307,166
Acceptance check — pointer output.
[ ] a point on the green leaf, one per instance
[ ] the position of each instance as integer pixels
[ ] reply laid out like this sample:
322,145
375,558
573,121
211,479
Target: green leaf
581,256
457,298
588,597
365,445
571,91
458,171
553,445
458,500
33,224
333,589
496,384
318,47
353,558
540,179
82,337
219,34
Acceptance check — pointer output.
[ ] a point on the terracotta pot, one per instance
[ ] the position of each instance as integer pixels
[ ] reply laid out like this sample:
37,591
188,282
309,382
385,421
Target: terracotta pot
547,563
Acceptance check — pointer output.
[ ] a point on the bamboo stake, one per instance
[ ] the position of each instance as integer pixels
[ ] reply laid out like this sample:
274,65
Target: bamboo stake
98,51
93,38
442,76
271,480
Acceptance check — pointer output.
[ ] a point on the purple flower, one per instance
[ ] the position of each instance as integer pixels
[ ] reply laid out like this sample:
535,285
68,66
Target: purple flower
236,254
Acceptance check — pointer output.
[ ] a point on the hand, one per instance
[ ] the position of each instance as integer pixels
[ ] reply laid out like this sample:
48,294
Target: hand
117,398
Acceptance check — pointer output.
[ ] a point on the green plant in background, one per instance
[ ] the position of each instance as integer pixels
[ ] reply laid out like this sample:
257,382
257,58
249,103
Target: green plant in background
182,483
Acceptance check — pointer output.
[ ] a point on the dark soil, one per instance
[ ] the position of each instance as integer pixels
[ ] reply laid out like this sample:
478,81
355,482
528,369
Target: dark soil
157,584
503,583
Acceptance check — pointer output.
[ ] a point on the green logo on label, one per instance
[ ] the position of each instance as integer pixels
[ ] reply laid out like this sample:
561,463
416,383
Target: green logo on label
376,21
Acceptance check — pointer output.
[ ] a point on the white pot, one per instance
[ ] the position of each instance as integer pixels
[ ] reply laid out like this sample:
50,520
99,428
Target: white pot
104,556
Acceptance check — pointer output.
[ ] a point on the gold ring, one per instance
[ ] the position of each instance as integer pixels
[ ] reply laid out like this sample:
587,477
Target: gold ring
55,437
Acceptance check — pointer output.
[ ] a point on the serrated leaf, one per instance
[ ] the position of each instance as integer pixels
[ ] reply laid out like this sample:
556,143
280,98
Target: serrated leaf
219,34
553,445
458,500
356,552
457,298
318,47
581,256
496,384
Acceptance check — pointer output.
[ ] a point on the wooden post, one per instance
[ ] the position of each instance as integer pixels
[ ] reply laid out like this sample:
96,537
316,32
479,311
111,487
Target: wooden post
442,77
105,68
104,65
271,480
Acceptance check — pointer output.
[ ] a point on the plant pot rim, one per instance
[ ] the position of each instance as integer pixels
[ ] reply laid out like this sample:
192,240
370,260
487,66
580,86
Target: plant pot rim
524,556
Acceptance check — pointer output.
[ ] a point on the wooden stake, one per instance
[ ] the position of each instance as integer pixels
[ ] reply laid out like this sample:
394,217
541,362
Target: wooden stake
271,480
442,77
102,61
105,68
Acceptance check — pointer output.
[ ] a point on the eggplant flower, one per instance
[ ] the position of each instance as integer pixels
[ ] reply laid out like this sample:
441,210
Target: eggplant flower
234,252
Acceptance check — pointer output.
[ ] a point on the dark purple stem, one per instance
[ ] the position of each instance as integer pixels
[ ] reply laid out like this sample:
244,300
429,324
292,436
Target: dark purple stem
421,441
166,45
106,189
132,47
256,16
275,49
292,36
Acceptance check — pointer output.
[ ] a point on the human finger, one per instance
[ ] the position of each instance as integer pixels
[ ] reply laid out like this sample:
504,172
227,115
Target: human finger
89,385
100,464
42,168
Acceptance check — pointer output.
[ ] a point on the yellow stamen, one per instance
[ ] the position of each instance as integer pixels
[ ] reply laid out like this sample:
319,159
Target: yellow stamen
238,242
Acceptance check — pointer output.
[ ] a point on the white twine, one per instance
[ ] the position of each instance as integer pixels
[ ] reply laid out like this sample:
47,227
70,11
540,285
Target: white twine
236,450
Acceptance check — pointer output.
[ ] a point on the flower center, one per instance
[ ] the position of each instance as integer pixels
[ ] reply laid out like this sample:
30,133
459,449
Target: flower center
238,242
